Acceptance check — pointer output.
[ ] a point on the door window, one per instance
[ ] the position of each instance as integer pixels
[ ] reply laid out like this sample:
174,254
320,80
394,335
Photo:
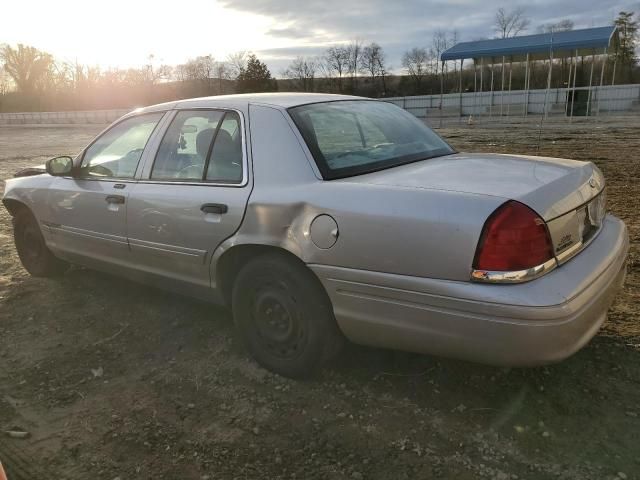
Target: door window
201,145
117,152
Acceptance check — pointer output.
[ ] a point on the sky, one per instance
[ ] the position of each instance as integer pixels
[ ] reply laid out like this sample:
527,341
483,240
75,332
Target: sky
123,33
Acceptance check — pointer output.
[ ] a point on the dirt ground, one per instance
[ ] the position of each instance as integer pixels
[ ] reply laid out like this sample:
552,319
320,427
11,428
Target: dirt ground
117,380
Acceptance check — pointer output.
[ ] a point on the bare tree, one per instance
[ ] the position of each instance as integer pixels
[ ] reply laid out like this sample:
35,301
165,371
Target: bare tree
26,66
237,62
372,62
336,60
354,50
439,44
5,81
222,73
561,26
416,63
180,72
510,24
303,70
157,73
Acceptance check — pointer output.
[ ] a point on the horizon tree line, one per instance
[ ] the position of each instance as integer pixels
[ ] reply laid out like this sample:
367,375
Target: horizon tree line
33,79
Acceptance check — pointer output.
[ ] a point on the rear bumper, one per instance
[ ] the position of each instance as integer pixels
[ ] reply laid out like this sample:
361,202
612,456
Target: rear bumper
539,322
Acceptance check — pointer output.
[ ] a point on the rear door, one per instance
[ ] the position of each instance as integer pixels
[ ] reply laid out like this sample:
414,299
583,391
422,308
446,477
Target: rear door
87,212
191,197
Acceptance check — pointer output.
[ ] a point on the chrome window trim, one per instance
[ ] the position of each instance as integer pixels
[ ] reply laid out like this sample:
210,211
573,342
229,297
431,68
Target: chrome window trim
146,173
518,276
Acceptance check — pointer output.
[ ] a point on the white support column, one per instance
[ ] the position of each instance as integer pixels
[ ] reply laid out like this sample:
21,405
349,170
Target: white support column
593,59
475,87
526,87
573,90
546,93
491,96
566,96
510,72
481,82
441,90
604,62
502,89
460,117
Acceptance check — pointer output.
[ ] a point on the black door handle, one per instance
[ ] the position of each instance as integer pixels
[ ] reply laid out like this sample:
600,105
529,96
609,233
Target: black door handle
214,208
118,199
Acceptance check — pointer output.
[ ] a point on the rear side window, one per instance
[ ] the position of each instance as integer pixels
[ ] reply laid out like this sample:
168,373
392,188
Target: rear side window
201,145
117,152
355,137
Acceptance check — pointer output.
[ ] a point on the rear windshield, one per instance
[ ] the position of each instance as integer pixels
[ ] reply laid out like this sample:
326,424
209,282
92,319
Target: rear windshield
352,137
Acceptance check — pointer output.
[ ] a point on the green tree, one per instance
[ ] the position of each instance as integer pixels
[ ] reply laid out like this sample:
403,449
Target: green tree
255,77
628,34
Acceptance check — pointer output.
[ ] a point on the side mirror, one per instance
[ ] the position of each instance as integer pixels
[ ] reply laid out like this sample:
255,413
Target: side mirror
59,166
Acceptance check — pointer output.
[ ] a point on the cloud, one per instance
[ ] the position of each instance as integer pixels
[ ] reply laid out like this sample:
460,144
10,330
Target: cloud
400,25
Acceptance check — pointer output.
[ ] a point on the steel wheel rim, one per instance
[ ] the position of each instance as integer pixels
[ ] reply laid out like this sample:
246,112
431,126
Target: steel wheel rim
278,322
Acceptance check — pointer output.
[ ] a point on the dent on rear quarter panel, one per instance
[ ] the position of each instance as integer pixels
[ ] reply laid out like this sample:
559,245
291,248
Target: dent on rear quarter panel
408,231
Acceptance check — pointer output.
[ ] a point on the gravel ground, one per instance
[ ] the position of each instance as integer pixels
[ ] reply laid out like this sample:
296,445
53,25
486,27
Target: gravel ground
116,380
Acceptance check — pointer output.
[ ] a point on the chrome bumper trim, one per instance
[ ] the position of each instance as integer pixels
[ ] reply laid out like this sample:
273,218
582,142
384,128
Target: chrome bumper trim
519,276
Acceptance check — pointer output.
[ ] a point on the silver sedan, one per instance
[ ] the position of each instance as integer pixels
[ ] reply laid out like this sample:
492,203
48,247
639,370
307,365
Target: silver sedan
317,218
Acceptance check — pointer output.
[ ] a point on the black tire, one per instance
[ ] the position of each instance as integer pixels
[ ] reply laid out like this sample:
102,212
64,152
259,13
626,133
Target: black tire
36,258
284,316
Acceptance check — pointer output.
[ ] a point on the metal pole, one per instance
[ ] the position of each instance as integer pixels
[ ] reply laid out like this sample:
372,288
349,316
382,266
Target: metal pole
604,62
526,87
613,77
546,94
593,59
475,86
502,89
441,90
461,62
491,96
566,97
573,90
510,72
481,80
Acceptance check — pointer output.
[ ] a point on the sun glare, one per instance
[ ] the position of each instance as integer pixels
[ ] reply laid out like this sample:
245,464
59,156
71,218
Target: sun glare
123,33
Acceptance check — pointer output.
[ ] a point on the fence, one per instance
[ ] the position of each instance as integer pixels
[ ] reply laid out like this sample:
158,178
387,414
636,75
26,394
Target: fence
61,118
560,102
618,99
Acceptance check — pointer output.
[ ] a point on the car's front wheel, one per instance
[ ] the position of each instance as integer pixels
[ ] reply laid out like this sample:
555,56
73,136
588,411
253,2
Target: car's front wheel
36,258
284,316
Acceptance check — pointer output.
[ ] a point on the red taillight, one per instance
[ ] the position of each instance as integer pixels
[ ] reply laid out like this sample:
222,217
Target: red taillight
514,238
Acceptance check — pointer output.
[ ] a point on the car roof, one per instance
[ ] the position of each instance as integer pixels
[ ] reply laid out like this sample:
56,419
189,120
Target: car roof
280,100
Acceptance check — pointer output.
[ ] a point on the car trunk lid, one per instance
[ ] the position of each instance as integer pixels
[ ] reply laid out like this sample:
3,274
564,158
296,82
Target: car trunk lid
565,193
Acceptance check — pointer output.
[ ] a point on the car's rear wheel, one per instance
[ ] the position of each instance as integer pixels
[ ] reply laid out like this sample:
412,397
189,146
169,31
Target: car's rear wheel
36,258
284,316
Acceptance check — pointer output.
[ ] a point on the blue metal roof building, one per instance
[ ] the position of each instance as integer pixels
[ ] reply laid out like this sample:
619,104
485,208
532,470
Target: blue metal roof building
585,41
546,47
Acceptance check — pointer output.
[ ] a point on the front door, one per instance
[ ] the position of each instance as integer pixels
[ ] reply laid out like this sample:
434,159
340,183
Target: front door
192,198
87,211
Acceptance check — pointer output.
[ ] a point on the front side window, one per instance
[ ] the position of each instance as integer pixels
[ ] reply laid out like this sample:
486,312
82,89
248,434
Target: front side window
201,145
354,137
117,152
